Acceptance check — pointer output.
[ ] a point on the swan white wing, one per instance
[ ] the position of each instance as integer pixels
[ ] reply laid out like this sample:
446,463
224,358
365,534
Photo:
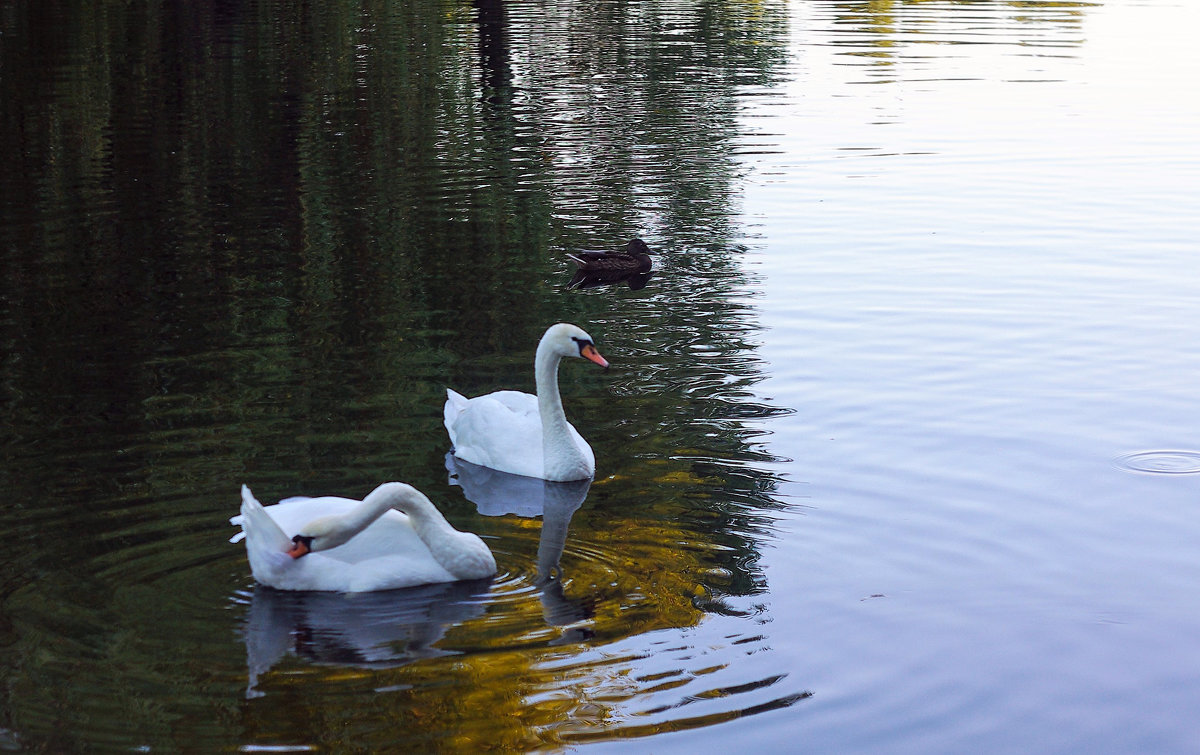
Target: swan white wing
501,430
390,554
583,446
388,535
523,405
526,414
396,571
321,571
295,499
291,514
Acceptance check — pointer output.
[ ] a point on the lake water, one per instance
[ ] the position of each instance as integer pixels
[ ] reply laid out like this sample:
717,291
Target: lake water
897,452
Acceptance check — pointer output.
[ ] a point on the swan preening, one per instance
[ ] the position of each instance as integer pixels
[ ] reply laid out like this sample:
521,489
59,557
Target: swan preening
521,433
395,537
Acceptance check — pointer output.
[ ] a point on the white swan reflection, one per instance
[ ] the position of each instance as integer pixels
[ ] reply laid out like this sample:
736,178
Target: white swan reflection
395,627
497,493
367,630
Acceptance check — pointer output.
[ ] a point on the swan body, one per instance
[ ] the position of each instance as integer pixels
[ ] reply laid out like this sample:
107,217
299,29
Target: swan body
635,259
395,537
521,433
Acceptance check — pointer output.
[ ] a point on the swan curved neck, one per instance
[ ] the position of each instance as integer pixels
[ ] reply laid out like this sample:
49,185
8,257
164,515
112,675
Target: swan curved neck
545,371
360,517
559,451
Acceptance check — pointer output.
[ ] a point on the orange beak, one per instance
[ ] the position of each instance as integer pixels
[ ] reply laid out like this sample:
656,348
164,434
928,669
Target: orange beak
298,549
589,352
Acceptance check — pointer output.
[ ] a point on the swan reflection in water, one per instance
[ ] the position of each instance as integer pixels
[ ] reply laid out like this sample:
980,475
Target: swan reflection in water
391,628
366,630
497,493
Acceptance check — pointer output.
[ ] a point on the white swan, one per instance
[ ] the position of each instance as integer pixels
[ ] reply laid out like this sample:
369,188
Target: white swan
524,434
393,538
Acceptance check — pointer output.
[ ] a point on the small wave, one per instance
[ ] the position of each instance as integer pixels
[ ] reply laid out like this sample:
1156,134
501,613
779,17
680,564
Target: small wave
1162,462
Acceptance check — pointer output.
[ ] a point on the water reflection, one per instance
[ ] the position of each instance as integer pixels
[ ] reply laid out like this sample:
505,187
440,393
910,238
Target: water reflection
634,280
880,35
498,493
363,630
253,244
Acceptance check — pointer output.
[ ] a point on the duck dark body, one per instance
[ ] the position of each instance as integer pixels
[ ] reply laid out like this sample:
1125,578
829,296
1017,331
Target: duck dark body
635,259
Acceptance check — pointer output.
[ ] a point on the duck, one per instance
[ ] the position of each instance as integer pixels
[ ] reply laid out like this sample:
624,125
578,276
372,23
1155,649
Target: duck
522,433
635,259
393,538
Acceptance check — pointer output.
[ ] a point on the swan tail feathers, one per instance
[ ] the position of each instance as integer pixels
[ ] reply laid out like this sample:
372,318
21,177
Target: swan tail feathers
455,404
262,534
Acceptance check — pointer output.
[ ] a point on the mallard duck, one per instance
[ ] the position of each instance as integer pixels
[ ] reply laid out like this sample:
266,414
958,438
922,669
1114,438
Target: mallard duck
521,433
635,259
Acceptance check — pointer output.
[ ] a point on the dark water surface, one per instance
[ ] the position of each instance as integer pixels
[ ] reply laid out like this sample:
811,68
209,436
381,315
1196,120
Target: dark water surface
897,451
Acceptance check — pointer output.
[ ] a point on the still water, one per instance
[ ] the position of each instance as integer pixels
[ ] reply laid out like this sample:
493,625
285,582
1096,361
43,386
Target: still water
896,454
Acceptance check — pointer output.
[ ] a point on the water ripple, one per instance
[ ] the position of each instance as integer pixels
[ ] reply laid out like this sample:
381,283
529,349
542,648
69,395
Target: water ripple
1162,462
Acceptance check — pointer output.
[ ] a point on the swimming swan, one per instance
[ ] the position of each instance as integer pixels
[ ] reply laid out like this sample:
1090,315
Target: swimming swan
393,538
523,434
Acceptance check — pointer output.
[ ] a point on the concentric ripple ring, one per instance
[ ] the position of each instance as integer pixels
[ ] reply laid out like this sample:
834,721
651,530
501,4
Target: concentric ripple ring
1162,462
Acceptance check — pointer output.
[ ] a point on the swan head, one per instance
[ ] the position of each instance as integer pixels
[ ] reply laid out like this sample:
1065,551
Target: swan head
326,532
568,340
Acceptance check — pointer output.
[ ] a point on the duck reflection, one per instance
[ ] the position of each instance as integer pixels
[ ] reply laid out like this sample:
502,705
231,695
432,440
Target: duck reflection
585,279
497,493
367,630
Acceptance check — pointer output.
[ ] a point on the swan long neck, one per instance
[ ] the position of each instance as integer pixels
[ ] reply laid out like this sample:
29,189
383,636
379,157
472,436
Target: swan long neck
360,517
423,516
445,543
426,520
558,447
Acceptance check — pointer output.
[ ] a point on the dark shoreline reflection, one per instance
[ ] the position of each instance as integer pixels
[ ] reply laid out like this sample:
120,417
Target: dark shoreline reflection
251,243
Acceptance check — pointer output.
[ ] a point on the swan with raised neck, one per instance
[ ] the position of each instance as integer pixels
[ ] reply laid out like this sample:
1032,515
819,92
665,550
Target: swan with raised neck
499,430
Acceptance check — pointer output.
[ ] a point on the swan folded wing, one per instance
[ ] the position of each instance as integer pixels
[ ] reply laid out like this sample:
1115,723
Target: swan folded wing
583,446
389,535
269,526
508,415
387,555
395,571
